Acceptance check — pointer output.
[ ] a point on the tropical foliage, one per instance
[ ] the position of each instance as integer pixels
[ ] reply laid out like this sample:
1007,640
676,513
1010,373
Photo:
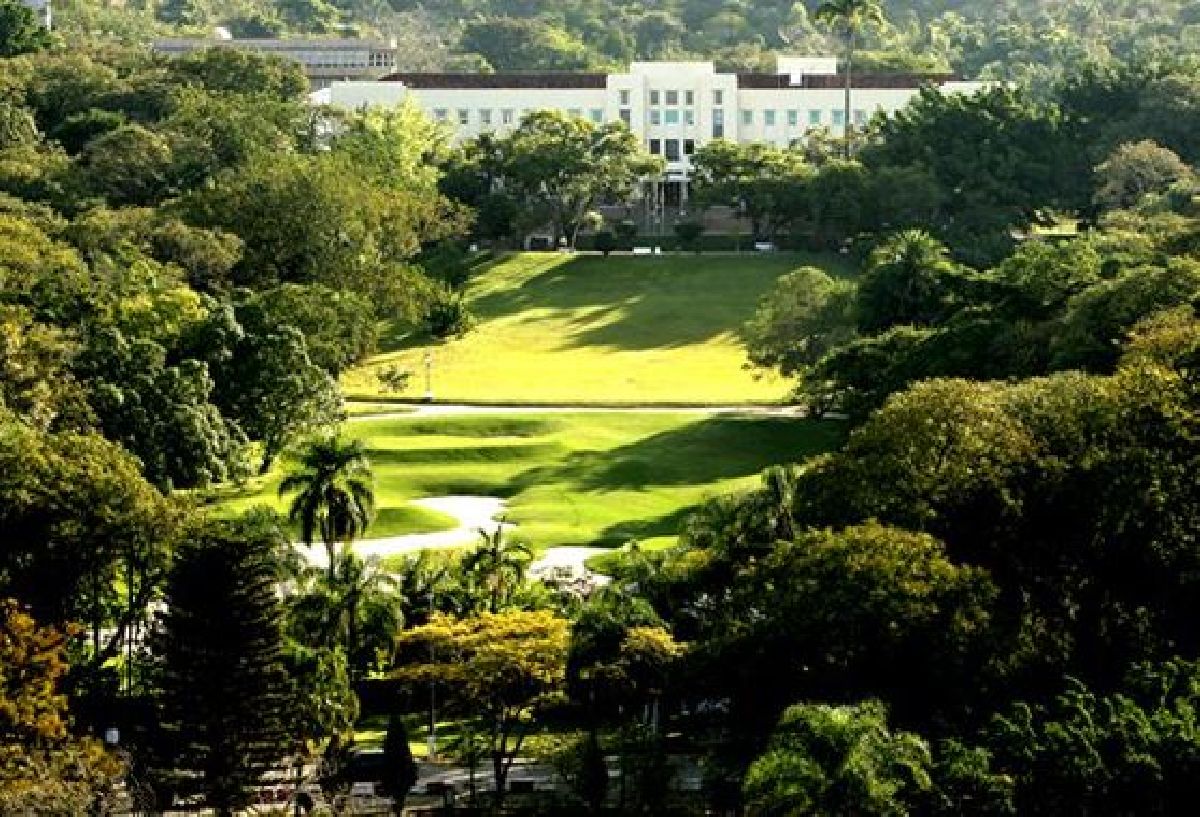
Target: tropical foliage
334,496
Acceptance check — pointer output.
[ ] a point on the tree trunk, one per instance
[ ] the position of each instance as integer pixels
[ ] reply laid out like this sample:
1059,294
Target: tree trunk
352,638
624,762
560,229
500,775
331,552
471,788
503,756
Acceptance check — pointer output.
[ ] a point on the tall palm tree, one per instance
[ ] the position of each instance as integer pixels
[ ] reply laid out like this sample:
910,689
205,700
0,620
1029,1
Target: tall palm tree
498,564
334,494
849,17
910,278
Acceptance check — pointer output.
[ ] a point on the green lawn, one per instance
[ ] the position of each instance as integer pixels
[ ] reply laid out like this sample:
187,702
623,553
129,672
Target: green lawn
584,329
574,479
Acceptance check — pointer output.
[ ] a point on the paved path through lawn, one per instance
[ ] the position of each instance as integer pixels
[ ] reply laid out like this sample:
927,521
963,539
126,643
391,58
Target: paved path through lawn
472,513
458,409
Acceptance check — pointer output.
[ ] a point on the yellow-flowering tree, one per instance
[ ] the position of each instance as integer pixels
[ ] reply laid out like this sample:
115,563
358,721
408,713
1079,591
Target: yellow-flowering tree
43,769
502,667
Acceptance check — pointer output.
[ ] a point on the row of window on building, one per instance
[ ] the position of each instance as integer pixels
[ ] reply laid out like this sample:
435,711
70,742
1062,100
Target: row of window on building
344,59
671,116
671,149
507,116
770,118
658,97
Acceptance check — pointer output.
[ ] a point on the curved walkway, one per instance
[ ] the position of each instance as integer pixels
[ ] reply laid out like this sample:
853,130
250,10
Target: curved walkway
458,409
472,513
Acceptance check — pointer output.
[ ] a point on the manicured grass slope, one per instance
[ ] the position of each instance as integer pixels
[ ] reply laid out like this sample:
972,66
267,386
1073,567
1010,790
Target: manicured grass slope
582,479
585,329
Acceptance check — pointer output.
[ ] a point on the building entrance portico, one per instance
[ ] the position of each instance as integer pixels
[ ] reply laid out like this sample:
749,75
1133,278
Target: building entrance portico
674,193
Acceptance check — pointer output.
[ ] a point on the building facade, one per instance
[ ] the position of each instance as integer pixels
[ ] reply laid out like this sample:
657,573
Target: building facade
325,61
673,107
43,10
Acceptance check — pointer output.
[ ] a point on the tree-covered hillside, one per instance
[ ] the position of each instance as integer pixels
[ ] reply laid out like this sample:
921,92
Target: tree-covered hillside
1021,39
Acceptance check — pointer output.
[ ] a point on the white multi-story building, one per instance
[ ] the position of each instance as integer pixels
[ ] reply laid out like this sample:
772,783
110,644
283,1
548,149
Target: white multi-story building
673,107
42,9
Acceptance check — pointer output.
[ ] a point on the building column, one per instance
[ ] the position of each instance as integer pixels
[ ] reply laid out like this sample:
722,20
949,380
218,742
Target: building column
659,205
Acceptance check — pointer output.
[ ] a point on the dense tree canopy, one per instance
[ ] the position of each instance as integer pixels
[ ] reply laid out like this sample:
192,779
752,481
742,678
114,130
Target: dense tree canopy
20,31
1017,534
77,515
983,602
554,169
1033,40
915,312
187,268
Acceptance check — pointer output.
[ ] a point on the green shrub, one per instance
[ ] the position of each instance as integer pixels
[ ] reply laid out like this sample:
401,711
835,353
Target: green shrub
688,233
448,261
605,242
447,315
626,232
394,379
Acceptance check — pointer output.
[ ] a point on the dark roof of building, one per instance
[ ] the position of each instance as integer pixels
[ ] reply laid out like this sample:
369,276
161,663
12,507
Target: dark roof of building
348,44
507,80
818,81
547,80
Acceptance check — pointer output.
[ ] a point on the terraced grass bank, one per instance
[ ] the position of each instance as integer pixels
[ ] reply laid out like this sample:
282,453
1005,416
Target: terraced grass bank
562,329
572,479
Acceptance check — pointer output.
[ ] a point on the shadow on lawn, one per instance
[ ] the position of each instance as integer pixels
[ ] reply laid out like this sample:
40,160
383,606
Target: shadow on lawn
702,452
480,426
645,303
464,454
666,525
